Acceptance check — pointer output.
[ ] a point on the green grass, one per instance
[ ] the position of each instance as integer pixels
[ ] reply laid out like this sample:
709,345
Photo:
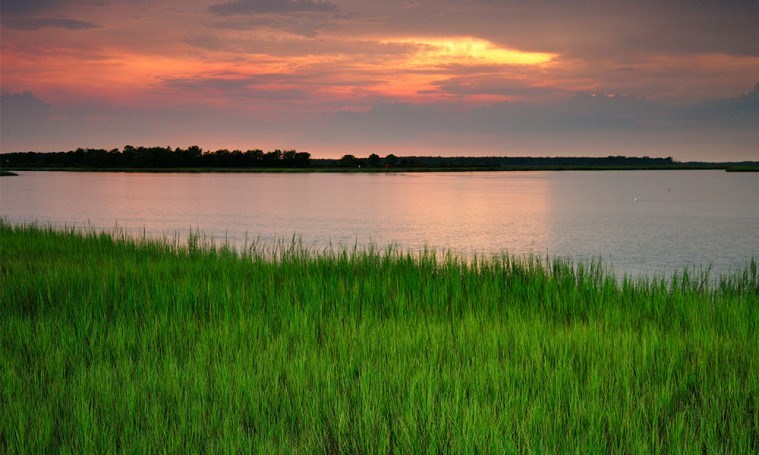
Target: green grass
744,168
115,344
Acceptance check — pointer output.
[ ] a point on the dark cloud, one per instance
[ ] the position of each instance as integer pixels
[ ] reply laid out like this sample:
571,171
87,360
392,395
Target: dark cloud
589,113
272,6
582,114
583,124
305,18
36,24
751,99
245,87
38,14
210,83
399,121
24,117
493,80
21,105
304,25
30,6
735,112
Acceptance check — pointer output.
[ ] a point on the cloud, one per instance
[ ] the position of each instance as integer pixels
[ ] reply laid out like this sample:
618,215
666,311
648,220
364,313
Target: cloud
238,87
22,105
303,25
305,18
582,29
271,6
735,112
284,46
581,115
38,14
25,118
30,6
496,81
36,24
399,121
752,98
580,125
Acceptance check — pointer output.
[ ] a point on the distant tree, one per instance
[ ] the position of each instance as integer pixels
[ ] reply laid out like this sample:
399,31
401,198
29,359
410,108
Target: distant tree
374,160
273,159
254,158
409,162
222,158
288,158
348,161
190,157
164,157
302,159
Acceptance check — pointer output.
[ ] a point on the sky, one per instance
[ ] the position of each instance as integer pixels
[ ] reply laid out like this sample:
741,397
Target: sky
409,77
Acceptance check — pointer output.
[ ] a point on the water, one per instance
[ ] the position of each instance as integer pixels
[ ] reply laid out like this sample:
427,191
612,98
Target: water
636,221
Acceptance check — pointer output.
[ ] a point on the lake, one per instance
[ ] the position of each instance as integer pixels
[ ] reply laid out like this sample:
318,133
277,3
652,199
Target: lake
636,221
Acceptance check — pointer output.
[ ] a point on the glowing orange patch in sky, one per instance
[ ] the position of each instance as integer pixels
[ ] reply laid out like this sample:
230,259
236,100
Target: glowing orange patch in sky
468,50
133,78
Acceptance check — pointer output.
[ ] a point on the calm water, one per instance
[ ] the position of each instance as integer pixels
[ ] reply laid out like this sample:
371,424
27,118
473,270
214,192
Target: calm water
639,222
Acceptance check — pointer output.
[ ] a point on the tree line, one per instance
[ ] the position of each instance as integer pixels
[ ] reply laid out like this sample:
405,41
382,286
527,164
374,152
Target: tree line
192,157
530,162
195,157
157,157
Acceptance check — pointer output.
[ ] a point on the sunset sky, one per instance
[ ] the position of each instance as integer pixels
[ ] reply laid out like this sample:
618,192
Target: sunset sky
409,77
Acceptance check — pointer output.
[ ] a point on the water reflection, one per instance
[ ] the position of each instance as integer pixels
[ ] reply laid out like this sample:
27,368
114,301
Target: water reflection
679,218
642,221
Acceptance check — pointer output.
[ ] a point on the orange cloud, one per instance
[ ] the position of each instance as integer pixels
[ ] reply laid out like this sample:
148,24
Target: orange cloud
467,50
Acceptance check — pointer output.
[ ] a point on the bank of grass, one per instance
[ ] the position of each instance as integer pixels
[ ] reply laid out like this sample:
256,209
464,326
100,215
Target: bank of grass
744,168
114,344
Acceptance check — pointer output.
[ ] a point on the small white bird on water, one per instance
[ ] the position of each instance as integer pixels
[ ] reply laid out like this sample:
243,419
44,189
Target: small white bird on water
635,199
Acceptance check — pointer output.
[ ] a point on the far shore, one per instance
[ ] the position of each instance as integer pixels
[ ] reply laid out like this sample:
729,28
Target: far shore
195,159
374,170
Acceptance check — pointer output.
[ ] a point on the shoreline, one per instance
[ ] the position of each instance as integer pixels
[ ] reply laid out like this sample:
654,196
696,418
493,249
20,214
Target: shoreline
394,170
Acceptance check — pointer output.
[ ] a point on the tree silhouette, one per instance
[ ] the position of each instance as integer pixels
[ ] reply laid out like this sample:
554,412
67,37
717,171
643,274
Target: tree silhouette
195,157
374,160
348,161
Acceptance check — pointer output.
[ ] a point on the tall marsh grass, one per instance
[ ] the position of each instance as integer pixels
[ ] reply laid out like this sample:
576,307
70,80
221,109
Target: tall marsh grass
110,343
